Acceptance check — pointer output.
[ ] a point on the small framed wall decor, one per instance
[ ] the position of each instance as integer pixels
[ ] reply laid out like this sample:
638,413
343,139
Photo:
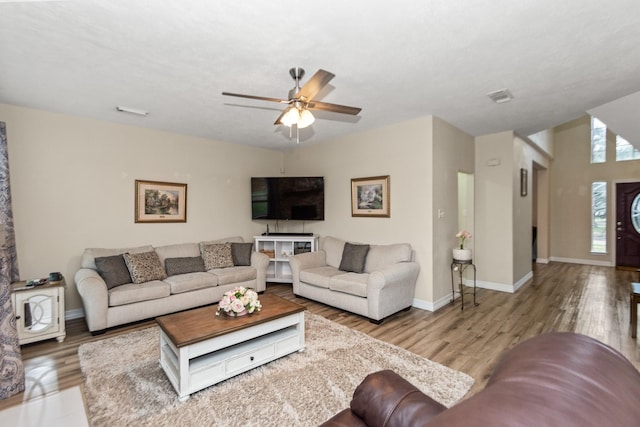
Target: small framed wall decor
160,201
523,182
370,197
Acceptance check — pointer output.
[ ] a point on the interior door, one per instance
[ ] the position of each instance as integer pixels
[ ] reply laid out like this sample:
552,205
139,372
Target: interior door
628,224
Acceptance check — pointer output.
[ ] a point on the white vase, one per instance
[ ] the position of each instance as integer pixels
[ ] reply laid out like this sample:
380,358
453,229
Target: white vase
462,254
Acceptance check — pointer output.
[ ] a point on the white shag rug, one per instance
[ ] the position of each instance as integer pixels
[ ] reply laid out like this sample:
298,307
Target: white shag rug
125,385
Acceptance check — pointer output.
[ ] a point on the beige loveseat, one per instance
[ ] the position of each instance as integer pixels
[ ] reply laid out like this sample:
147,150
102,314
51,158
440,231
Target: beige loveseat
375,281
111,297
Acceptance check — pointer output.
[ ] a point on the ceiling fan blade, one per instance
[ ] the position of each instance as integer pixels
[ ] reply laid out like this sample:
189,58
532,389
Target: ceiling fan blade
335,108
262,98
315,84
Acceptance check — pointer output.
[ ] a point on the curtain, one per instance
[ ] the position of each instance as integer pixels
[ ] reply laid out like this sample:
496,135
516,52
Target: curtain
11,368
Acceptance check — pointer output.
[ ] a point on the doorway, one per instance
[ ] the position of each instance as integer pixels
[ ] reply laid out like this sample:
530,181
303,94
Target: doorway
465,205
628,225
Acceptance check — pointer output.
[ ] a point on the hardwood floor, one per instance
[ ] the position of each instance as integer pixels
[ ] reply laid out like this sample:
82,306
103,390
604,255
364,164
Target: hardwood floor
561,297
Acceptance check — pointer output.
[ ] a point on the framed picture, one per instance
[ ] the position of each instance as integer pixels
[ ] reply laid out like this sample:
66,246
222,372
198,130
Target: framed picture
161,201
523,182
370,197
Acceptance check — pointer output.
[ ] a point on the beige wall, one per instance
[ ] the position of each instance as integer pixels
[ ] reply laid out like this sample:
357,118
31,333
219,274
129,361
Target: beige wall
423,158
544,141
403,151
571,177
503,217
453,152
73,187
494,208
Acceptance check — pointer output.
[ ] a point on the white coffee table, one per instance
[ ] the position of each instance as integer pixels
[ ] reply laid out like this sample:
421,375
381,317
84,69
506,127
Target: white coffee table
199,349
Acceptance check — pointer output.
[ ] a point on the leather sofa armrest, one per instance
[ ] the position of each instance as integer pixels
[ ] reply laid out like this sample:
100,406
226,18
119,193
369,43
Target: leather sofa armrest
386,399
344,418
95,298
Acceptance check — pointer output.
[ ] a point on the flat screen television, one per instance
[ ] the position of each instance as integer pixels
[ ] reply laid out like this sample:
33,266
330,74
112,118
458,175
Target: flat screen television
287,198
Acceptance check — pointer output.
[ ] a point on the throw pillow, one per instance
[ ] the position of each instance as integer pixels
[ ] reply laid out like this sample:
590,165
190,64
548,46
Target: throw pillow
183,265
353,257
217,255
113,270
241,253
145,267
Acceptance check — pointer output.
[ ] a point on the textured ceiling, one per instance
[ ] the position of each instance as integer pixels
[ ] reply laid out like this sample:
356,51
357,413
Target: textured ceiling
396,60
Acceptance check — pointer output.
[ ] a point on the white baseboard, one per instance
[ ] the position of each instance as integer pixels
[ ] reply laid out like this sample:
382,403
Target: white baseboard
501,287
583,261
423,305
522,281
542,260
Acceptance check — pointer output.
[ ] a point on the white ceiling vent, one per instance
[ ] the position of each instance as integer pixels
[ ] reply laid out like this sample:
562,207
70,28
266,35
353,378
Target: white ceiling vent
500,96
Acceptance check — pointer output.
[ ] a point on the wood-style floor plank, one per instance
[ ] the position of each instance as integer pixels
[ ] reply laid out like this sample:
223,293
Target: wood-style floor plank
590,300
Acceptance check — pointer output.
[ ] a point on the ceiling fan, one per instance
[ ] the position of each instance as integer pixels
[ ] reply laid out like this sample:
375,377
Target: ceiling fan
300,100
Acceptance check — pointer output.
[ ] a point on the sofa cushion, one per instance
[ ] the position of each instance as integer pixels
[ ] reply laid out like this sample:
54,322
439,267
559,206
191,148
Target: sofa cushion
217,255
127,294
319,276
180,250
90,254
183,265
191,281
113,270
144,267
350,283
241,253
353,257
380,256
238,274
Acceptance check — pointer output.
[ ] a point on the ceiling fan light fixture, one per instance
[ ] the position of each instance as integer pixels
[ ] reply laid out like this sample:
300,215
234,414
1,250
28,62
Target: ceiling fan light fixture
291,117
306,119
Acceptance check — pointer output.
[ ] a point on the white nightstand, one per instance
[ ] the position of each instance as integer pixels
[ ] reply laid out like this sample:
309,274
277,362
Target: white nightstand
39,311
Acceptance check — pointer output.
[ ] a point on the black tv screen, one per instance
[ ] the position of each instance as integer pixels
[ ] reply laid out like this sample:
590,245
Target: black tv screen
287,198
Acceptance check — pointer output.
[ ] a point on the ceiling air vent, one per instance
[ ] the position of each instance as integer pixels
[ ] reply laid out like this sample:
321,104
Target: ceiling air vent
500,96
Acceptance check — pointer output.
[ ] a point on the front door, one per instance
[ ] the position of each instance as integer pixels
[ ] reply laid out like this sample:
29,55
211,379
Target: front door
628,224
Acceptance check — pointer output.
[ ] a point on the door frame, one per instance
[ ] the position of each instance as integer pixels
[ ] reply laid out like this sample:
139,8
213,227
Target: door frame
611,228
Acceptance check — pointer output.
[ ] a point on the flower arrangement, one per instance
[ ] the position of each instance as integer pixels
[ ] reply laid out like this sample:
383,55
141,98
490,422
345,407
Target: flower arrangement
239,301
463,235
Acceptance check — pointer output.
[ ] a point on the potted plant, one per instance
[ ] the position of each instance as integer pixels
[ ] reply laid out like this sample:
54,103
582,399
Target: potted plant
239,302
460,253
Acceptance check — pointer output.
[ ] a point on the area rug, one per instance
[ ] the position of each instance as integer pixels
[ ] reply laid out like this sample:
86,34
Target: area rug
125,385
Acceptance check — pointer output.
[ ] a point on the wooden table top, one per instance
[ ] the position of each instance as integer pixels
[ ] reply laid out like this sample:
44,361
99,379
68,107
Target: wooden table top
192,326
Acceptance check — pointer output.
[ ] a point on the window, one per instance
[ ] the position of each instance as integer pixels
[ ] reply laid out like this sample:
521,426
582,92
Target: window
598,141
635,213
599,217
625,151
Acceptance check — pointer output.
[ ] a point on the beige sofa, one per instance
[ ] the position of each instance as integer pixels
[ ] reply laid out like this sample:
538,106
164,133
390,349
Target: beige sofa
107,306
385,285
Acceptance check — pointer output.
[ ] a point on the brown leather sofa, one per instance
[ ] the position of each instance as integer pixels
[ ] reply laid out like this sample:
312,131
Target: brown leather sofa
556,379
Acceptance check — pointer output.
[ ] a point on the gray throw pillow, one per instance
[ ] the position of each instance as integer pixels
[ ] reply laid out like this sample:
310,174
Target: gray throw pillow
353,257
145,267
183,265
241,253
113,270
